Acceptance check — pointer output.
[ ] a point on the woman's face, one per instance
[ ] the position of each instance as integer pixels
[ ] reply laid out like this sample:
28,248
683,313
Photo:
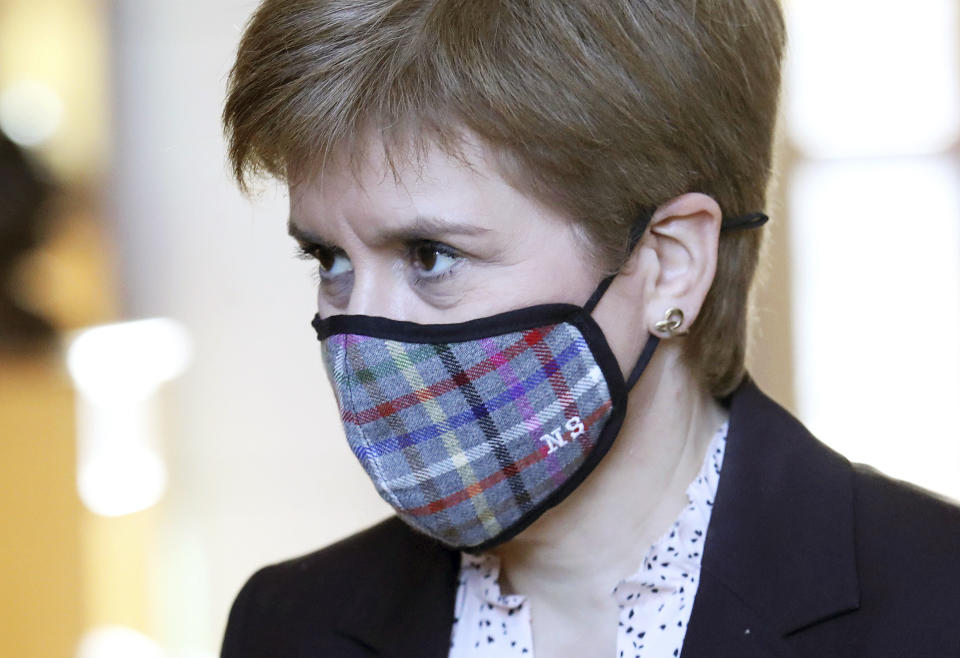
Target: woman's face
441,243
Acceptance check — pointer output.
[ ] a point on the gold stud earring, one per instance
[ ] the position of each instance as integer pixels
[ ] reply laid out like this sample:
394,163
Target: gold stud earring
671,323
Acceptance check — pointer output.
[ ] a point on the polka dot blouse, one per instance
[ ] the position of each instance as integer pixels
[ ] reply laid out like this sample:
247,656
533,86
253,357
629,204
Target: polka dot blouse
654,602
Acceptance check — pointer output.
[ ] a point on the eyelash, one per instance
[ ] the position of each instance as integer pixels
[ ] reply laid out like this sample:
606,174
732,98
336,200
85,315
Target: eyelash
308,251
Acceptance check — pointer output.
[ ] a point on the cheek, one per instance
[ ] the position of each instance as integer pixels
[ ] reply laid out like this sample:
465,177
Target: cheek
554,282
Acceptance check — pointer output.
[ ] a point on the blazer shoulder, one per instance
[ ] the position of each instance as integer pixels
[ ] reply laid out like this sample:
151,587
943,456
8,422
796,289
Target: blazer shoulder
297,602
362,552
905,518
338,565
906,541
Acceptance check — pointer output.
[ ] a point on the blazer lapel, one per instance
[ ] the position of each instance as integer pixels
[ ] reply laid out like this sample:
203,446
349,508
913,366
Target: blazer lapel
780,552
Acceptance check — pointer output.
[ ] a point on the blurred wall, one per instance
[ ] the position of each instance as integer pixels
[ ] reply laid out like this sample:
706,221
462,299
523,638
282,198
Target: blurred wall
51,54
872,201
41,588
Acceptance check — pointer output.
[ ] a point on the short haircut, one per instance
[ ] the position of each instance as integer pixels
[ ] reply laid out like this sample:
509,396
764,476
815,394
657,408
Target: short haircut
599,108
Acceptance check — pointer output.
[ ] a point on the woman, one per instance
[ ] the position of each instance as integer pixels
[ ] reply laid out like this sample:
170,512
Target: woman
536,225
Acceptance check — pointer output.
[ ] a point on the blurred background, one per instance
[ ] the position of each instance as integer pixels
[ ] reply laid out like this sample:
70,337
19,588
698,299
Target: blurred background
165,426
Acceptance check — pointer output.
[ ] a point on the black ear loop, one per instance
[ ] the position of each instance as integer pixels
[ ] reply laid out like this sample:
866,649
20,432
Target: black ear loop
636,232
750,221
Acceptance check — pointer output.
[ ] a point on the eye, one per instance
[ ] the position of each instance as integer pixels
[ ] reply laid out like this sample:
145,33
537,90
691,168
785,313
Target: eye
433,260
333,264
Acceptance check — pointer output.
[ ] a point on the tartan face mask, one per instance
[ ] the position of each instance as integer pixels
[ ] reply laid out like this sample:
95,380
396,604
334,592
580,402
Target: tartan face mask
471,431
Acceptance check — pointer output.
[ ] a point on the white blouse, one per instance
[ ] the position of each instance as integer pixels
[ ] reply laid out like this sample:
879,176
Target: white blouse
655,601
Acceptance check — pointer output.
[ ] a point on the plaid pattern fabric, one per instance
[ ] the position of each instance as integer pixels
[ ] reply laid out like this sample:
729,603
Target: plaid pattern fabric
464,438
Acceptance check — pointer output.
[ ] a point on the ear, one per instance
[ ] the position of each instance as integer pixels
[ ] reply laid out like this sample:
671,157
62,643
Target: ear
679,250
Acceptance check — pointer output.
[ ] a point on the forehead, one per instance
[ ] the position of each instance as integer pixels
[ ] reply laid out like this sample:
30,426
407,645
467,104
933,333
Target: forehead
376,191
374,168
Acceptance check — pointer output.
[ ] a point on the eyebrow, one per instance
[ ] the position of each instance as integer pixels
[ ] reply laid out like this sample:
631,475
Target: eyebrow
301,235
423,227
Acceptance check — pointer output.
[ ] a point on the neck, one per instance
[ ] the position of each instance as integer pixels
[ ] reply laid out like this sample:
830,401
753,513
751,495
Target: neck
602,531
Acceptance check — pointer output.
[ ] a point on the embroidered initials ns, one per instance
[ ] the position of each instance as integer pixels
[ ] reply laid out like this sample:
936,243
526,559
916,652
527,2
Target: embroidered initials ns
555,439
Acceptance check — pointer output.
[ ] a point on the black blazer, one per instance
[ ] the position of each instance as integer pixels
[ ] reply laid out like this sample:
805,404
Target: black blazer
806,555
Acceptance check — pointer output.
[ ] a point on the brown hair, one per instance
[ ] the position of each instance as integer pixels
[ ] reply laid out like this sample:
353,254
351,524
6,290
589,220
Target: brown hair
599,108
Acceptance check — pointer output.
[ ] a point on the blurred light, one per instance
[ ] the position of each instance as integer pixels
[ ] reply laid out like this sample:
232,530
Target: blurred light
117,370
128,361
876,271
117,642
872,77
122,482
30,112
